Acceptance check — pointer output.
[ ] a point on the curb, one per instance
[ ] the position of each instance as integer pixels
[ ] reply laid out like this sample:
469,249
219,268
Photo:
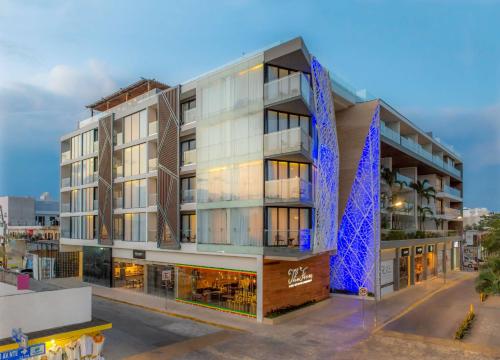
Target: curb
177,315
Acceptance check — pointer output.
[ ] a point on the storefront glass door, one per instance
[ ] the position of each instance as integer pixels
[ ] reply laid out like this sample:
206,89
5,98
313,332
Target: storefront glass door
404,267
419,268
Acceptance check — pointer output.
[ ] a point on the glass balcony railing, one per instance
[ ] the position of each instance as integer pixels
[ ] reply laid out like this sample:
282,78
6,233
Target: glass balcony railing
66,182
118,171
389,133
96,146
405,179
66,155
152,164
287,141
189,157
152,235
452,191
294,85
299,239
96,204
450,213
286,190
153,128
188,236
118,202
65,234
452,169
119,139
189,116
387,234
152,199
65,207
188,196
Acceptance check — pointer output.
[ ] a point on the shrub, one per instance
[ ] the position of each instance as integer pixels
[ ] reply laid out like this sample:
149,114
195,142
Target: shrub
465,325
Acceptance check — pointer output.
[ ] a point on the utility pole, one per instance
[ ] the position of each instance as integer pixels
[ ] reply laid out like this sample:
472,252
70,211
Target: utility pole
3,238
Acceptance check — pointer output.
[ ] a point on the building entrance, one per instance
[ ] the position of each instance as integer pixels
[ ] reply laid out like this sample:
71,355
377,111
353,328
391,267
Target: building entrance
404,268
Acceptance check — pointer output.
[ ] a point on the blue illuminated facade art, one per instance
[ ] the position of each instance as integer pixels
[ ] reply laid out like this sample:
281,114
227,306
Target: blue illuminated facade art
358,247
326,156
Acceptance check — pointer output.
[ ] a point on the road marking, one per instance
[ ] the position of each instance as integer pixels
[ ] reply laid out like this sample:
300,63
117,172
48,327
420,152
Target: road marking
419,302
181,316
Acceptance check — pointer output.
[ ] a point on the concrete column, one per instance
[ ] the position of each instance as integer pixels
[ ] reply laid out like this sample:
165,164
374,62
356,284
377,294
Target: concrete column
396,275
260,283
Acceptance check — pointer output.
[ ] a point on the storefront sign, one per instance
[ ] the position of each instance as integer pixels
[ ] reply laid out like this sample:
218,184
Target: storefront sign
419,250
139,254
23,353
469,238
405,252
298,276
386,272
363,291
166,275
430,248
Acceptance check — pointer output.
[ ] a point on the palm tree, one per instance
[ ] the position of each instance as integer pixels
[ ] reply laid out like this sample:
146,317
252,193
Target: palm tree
424,191
438,222
390,177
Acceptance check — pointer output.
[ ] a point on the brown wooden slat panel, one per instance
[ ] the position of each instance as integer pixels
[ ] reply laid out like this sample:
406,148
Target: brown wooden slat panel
168,169
105,217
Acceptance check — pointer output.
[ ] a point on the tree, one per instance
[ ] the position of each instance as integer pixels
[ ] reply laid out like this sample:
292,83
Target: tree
424,191
390,178
488,281
423,211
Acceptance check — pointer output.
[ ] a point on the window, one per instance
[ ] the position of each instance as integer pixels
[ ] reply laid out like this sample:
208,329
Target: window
135,160
88,142
76,173
76,201
188,105
188,189
279,121
135,126
76,146
276,170
274,72
88,227
89,195
88,171
136,193
187,146
135,227
289,227
76,227
188,230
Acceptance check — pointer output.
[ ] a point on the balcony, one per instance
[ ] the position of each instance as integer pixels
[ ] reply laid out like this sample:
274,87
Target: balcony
118,171
296,239
152,164
288,190
118,202
188,236
153,128
65,207
403,179
189,157
449,192
388,235
152,199
65,156
449,213
65,182
389,133
287,88
294,140
189,117
119,139
188,196
452,169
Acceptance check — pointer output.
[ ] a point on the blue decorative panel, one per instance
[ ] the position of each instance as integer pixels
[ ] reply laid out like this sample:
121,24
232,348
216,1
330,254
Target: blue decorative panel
326,154
358,247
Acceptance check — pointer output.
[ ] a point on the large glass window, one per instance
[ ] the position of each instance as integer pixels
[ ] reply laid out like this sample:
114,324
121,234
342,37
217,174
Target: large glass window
88,227
135,227
135,194
89,195
219,288
76,227
76,146
289,227
275,72
88,142
135,126
76,173
97,265
128,275
135,160
188,189
186,106
276,170
156,285
188,228
185,147
88,171
278,121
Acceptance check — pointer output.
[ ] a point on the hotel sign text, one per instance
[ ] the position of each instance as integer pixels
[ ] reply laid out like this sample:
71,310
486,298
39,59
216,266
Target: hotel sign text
298,276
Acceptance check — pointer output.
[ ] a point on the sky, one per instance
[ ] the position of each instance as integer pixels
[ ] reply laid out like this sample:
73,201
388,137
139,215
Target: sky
436,61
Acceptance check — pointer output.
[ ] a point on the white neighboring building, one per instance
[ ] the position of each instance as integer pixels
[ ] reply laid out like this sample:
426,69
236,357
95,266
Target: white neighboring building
473,216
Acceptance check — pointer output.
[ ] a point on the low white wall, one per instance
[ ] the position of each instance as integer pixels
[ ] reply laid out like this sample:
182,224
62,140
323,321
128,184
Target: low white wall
45,310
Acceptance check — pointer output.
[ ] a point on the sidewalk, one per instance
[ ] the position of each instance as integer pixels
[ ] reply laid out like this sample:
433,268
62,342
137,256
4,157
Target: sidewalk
485,328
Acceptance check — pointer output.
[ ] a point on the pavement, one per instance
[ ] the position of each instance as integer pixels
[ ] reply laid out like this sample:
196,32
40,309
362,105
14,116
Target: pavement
485,329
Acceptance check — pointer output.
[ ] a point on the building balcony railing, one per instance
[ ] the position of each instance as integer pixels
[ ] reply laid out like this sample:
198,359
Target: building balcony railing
189,116
153,128
452,169
389,133
289,87
287,141
66,182
288,190
118,171
65,234
404,179
65,207
188,236
118,235
118,139
298,239
449,213
189,157
152,199
452,191
188,196
118,202
65,156
387,234
152,164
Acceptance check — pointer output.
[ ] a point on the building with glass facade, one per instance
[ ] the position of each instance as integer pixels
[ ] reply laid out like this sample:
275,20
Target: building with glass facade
232,190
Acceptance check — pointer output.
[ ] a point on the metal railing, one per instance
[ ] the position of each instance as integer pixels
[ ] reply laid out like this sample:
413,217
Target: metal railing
301,239
153,128
287,141
188,196
189,116
292,189
189,157
296,84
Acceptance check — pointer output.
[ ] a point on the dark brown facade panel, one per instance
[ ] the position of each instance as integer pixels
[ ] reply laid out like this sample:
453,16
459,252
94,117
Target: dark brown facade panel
105,216
168,169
